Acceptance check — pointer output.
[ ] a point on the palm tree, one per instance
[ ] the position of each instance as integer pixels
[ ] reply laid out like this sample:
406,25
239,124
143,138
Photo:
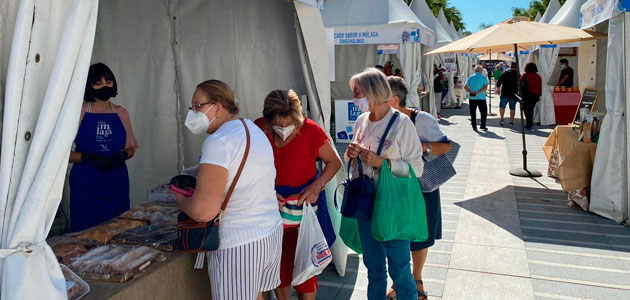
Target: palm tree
483,26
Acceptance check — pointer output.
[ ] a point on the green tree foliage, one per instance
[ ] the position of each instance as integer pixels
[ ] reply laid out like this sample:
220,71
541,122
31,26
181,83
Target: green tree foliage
483,26
536,6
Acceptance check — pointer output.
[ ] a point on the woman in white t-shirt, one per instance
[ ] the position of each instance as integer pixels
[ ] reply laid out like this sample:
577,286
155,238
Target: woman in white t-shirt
401,148
248,259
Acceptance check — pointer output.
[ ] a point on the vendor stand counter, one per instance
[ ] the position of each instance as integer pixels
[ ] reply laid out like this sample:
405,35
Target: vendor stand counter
174,278
565,104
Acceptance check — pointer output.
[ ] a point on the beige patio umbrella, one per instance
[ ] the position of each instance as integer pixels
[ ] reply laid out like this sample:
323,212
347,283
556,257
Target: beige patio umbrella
517,36
505,37
492,56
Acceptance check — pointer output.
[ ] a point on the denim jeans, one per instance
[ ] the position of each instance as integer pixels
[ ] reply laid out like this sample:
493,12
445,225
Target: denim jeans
398,257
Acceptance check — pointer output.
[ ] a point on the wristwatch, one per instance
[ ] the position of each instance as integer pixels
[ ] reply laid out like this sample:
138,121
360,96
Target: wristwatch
428,151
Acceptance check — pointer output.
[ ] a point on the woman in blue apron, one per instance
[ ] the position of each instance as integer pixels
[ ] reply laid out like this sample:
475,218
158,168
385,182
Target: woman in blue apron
99,180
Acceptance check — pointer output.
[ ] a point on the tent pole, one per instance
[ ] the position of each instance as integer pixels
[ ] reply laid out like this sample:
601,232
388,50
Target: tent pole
490,85
522,172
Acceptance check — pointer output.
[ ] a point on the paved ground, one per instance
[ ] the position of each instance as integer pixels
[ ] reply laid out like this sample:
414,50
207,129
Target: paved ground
506,237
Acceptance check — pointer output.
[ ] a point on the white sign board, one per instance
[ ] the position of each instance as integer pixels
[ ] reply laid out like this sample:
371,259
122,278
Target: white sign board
377,36
594,12
346,114
387,49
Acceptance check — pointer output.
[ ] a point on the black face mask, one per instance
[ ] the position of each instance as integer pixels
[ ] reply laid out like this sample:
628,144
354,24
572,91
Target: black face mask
103,93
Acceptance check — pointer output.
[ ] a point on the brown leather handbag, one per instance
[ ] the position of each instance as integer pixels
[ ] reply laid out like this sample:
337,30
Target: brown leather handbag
195,237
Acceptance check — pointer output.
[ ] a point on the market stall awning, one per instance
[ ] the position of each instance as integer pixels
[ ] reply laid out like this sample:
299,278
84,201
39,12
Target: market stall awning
357,22
502,37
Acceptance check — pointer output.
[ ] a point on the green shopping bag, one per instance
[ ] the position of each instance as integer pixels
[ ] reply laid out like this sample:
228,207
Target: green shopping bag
399,208
349,233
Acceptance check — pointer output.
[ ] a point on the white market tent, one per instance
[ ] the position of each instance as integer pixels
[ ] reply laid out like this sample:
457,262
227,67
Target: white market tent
158,51
450,100
360,25
442,37
538,17
568,15
552,10
609,184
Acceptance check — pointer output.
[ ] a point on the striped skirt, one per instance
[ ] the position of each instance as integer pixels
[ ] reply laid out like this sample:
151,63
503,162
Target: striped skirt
244,271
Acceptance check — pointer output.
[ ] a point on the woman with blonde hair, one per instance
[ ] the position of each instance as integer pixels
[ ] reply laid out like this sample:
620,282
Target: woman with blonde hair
402,149
297,143
248,259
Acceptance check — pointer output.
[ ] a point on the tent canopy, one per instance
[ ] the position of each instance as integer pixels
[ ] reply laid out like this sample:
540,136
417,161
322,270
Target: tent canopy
424,13
503,36
552,9
356,20
444,22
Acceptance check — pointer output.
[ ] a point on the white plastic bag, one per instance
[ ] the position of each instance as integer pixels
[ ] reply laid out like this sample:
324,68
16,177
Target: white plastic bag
312,253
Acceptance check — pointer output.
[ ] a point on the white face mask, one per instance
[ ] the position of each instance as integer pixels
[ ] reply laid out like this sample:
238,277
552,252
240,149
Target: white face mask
562,67
197,122
284,132
363,104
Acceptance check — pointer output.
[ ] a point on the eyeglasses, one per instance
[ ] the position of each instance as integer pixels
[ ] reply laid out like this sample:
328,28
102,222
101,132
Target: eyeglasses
196,107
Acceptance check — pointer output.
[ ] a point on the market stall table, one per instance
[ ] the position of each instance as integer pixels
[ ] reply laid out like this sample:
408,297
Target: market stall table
575,159
174,278
565,105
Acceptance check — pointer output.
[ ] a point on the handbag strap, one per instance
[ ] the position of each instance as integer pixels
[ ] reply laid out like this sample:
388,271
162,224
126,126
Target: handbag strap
380,145
389,126
237,176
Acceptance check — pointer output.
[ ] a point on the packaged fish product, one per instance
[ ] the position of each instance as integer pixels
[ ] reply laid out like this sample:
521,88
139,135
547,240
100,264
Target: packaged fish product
115,263
104,232
66,248
159,236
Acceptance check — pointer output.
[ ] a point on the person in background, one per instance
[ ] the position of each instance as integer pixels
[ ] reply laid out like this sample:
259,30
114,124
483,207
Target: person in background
402,149
497,73
532,89
507,88
434,142
380,68
297,144
566,74
444,85
437,88
388,68
99,179
476,86
487,71
398,73
247,262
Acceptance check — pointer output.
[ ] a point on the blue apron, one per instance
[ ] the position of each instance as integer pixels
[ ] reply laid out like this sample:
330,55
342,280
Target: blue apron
98,195
322,210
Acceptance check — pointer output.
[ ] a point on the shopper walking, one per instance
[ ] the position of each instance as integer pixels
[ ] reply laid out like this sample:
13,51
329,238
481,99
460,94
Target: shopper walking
507,88
434,142
497,73
476,86
531,86
248,259
297,144
402,149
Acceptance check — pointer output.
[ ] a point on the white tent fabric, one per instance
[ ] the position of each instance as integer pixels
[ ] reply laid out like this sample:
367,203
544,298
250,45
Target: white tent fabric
609,184
450,99
538,17
158,52
410,55
568,15
594,12
442,37
422,10
375,15
59,43
541,114
552,10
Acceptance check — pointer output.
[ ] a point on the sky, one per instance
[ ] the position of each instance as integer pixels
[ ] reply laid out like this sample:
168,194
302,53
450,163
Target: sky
476,12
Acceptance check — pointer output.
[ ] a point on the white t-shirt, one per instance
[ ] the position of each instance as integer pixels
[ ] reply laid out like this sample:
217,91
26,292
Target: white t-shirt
402,146
252,212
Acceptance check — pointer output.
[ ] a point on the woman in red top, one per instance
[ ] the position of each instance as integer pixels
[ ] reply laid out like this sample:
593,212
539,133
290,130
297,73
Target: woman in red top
531,85
297,143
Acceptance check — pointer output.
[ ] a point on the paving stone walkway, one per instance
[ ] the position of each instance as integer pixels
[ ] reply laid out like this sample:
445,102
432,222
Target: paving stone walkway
506,237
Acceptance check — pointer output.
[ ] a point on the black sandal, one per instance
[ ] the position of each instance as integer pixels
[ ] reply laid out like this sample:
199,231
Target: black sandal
422,295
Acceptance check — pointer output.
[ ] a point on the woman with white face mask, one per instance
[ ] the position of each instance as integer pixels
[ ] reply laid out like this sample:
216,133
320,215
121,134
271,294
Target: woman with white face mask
248,259
297,144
